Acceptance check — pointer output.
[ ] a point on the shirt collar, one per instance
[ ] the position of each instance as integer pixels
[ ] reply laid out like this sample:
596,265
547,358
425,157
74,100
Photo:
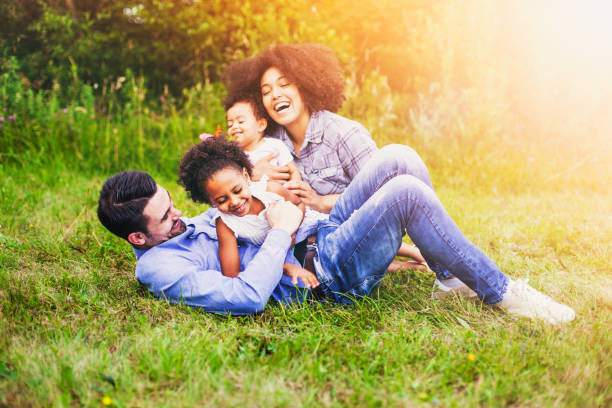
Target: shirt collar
203,223
314,131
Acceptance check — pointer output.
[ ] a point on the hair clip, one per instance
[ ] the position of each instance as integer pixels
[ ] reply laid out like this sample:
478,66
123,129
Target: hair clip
205,136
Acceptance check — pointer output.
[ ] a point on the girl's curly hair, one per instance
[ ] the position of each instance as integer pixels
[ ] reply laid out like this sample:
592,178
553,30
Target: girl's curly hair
314,68
205,159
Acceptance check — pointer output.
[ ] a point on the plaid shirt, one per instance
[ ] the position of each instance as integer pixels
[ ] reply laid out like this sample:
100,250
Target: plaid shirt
334,150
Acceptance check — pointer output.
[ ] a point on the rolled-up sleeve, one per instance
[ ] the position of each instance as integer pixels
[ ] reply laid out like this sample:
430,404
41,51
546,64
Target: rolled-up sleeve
355,147
336,149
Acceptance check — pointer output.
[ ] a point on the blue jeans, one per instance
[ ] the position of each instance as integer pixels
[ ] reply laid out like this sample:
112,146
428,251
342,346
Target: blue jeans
391,196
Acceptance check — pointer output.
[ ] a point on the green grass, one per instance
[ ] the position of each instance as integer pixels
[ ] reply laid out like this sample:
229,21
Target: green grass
76,327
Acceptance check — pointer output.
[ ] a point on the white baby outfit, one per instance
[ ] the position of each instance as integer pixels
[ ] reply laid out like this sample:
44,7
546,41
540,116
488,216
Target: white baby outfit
254,228
267,147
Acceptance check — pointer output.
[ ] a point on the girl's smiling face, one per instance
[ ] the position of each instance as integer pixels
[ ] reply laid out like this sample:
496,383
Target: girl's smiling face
228,190
282,98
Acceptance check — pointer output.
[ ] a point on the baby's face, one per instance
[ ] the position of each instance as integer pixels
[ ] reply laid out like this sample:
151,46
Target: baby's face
243,126
228,190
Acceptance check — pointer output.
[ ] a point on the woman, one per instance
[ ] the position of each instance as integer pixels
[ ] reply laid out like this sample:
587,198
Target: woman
299,87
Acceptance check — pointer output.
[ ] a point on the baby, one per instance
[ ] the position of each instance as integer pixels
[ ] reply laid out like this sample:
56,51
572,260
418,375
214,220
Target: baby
217,171
247,125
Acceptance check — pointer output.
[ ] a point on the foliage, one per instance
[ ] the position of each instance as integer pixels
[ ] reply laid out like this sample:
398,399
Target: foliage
122,129
181,43
89,87
174,44
445,69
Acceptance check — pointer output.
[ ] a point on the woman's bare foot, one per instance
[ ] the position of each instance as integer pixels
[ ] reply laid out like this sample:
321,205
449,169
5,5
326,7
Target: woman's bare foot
411,251
397,265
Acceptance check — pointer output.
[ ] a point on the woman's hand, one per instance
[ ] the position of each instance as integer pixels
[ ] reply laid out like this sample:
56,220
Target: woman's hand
310,197
263,167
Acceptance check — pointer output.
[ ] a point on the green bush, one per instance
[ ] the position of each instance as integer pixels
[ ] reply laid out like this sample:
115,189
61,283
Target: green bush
175,45
109,85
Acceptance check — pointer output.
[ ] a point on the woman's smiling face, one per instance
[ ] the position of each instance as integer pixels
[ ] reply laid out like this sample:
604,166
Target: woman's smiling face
282,98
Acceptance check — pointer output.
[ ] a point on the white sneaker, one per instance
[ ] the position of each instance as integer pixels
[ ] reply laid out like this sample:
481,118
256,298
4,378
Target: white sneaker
523,300
443,288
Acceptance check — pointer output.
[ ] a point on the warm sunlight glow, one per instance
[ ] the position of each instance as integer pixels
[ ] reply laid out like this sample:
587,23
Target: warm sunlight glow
575,33
561,64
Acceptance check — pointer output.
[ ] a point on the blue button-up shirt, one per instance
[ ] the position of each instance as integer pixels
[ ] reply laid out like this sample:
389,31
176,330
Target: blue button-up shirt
186,269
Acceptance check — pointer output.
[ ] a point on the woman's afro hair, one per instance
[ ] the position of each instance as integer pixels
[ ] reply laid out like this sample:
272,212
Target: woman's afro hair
314,68
206,158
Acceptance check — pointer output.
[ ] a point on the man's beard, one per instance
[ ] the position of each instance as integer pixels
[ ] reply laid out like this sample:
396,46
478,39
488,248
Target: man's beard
181,229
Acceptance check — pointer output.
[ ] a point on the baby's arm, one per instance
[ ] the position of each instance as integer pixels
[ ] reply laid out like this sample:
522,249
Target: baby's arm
228,250
294,172
295,272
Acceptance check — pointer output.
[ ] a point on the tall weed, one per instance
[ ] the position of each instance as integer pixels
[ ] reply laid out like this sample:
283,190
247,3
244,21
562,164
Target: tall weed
122,128
467,136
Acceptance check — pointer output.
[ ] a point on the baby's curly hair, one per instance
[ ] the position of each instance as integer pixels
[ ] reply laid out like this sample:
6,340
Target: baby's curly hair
314,68
205,159
252,99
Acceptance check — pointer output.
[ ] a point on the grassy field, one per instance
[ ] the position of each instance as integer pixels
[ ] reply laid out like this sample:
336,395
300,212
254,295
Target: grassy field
507,103
76,328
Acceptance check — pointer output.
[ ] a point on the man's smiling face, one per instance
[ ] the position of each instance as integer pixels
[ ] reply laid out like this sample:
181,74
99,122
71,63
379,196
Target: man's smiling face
163,220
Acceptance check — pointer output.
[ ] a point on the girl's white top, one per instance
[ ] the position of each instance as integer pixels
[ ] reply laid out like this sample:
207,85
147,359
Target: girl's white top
254,228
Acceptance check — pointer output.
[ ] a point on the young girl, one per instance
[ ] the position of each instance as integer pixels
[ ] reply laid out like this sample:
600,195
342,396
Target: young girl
216,171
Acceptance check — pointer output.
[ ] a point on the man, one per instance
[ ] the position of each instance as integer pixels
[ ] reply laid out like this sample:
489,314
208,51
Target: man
178,258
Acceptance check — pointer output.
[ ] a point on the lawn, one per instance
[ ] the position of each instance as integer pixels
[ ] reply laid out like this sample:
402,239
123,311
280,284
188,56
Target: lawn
506,102
76,328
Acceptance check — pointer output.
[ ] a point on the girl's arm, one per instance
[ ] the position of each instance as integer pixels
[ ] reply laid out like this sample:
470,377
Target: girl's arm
228,250
295,272
277,188
294,172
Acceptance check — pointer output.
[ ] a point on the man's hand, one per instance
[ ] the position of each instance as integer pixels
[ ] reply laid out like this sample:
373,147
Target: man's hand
310,197
284,215
263,167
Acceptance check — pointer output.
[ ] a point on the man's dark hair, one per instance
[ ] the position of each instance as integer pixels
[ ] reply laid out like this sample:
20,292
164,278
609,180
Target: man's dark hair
122,201
206,158
313,68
